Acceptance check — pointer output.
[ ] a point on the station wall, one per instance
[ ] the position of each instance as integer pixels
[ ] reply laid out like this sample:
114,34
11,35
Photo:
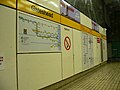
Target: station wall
40,47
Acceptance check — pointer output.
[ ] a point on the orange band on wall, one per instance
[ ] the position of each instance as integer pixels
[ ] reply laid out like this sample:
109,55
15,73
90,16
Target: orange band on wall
10,3
95,33
31,8
70,23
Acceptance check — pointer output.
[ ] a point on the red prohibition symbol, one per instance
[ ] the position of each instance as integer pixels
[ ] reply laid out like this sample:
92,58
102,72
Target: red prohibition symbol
67,43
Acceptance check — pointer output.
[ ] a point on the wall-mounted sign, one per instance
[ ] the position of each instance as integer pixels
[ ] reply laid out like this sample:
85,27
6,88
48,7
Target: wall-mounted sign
98,40
95,26
37,34
69,11
67,43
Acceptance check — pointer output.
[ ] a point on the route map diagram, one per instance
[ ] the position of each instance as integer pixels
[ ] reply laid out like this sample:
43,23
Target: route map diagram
37,34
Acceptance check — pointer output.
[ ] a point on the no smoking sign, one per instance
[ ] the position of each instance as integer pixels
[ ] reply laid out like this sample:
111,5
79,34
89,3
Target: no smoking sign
67,43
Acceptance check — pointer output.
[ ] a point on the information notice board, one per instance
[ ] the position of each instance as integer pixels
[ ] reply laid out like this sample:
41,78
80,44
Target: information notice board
36,34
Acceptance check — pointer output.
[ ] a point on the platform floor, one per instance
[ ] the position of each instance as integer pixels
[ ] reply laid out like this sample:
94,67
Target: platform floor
107,77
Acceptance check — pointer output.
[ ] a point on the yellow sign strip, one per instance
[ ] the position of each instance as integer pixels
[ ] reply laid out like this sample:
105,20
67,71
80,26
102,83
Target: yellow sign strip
95,33
75,25
34,9
86,29
10,3
70,23
104,37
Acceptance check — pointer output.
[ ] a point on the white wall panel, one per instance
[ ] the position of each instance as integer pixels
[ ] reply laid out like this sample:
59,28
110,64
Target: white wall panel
67,51
103,50
106,54
101,30
8,48
104,31
96,61
36,71
77,51
85,20
97,51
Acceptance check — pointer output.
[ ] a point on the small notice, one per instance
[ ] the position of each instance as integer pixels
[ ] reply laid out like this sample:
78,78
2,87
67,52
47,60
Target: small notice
1,63
98,40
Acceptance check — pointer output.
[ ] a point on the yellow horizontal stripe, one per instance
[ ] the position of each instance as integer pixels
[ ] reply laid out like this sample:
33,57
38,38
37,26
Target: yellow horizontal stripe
86,29
75,25
10,3
70,23
95,33
34,9
104,37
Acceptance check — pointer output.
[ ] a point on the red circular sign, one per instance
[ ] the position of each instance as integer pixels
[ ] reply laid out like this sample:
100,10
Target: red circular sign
67,43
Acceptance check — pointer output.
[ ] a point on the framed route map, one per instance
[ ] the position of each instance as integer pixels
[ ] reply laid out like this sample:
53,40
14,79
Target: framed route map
36,34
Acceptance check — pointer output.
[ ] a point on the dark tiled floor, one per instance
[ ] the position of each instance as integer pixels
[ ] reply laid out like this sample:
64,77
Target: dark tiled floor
107,77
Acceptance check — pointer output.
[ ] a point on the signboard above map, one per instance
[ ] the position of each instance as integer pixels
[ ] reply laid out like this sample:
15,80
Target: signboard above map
69,11
37,34
50,4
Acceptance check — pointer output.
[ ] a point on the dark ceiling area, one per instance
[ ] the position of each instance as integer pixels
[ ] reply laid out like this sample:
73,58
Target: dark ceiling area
105,12
113,7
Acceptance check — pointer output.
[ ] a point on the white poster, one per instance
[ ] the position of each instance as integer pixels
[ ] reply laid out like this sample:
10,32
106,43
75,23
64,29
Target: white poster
84,50
37,35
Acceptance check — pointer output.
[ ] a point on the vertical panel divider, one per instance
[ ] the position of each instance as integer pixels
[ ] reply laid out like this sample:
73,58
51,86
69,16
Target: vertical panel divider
73,52
17,44
61,50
